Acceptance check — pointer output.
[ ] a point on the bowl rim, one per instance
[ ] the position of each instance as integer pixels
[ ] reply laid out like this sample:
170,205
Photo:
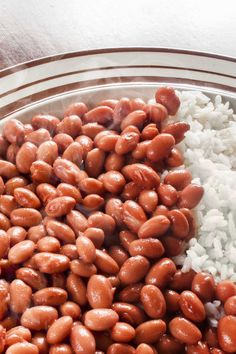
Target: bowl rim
70,54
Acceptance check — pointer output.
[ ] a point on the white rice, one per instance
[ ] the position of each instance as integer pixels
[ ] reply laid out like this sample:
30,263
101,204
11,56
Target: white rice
209,150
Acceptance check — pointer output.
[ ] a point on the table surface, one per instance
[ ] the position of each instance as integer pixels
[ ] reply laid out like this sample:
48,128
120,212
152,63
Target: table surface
31,29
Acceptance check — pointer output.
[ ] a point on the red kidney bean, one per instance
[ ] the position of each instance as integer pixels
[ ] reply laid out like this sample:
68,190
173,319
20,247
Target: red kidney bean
13,183
59,330
175,158
7,204
70,308
86,249
48,244
133,215
120,348
190,196
191,306
199,348
230,306
122,332
161,273
60,206
17,335
47,152
52,296
77,108
142,175
150,248
179,179
129,313
157,113
70,125
150,331
154,227
160,147
172,245
16,234
8,169
184,330
74,153
51,262
20,296
39,317
76,288
149,131
113,182
39,340
169,345
4,243
203,285
33,278
100,319
119,254
172,300
82,340
126,142
148,200
168,98
224,290
108,102
114,208
4,222
179,224
25,157
167,195
94,162
26,198
182,280
99,292
130,293
100,114
177,129
92,129
102,221
13,131
45,121
60,230
22,251
133,270
66,171
131,191
153,301
227,333
114,162
106,140
106,263
24,347
25,217
12,151
136,118
38,136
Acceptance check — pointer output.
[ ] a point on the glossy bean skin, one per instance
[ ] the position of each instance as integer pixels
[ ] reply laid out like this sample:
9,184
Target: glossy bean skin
157,112
119,348
182,280
60,230
45,121
39,317
59,330
25,217
66,171
168,344
114,162
227,333
199,348
122,332
32,277
142,175
26,198
161,273
149,131
191,306
13,131
203,285
230,306
153,301
20,296
150,248
106,263
177,130
167,195
179,224
47,152
39,340
99,292
102,221
77,289
92,129
131,293
25,157
172,300
51,262
81,268
150,331
60,206
96,235
144,349
24,347
70,308
13,183
160,147
136,118
175,158
148,200
12,151
133,270
4,243
179,179
190,196
60,349
129,313
184,330
77,108
133,215
18,334
52,296
86,249
168,98
46,192
22,251
100,319
65,189
154,227
82,340
224,290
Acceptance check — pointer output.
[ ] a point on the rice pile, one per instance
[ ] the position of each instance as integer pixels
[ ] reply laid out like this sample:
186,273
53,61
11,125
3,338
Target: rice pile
210,154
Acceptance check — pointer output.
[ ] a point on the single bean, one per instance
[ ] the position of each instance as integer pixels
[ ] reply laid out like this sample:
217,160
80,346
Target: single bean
47,152
82,340
126,237
149,131
25,217
100,114
169,345
172,300
70,308
175,158
100,319
35,233
142,175
173,246
52,296
150,331
137,103
94,162
7,204
131,191
153,301
167,194
92,129
179,179
120,348
86,249
144,349
60,349
148,200
51,263
4,222
39,340
70,125
182,280
60,206
70,251
86,143
177,130
59,330
133,215
13,183
12,151
106,263
65,189
168,98
81,268
157,113
77,108
114,208
22,251
203,285
106,140
230,306
39,317
13,131
129,313
199,348
45,121
224,290
108,102
48,244
17,335
60,230
191,306
190,196
154,227
227,333
76,288
122,332
24,347
133,270
130,293
38,136
63,141
102,221
113,182
20,296
77,221
46,192
114,162
99,292
119,254
160,147
179,224
121,110
96,235
66,171
74,153
136,118
161,273
184,330
16,234
33,278
26,198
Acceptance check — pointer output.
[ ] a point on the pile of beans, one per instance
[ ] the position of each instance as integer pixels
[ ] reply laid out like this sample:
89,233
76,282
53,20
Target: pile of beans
89,224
